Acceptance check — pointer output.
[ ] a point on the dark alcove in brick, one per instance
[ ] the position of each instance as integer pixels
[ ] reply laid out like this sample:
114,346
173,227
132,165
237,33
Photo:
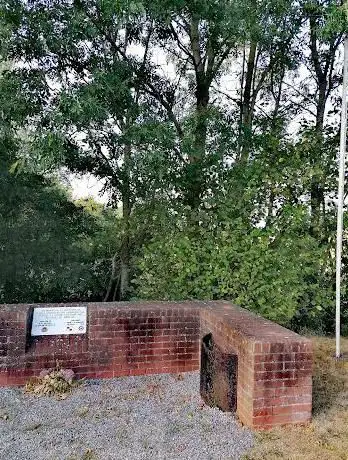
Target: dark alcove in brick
218,375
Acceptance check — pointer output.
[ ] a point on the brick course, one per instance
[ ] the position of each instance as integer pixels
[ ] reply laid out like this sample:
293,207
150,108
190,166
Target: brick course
274,385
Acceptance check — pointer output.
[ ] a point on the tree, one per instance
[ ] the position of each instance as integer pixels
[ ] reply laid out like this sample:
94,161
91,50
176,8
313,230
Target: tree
323,45
204,120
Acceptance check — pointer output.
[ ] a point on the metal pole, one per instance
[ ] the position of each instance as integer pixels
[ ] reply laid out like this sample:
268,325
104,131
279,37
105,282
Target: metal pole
342,159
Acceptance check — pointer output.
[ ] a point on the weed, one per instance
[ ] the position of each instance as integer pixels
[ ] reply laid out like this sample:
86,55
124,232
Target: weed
155,389
56,382
83,411
4,415
33,427
89,455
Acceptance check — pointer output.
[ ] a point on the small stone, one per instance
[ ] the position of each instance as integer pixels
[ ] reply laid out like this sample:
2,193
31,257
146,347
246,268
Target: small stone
67,374
44,373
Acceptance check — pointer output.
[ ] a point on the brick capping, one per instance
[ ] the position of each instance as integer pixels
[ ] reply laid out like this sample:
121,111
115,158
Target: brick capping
274,383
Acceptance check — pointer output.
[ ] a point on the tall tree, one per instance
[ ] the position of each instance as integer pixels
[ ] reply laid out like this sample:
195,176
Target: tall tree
93,98
323,44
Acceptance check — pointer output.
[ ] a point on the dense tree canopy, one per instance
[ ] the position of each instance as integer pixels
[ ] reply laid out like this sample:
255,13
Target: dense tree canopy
214,127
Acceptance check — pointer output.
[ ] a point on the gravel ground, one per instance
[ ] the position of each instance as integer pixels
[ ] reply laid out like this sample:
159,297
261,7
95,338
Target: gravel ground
147,417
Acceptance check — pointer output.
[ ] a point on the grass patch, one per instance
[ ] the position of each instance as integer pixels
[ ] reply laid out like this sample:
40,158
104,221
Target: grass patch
326,437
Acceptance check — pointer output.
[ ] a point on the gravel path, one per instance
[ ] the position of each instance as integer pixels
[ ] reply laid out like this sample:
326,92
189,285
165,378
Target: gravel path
148,417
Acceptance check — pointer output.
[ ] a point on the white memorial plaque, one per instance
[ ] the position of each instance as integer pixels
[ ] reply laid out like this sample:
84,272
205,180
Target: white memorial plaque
59,321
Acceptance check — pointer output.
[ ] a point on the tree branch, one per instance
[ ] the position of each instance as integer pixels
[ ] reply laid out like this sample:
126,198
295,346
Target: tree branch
152,90
180,44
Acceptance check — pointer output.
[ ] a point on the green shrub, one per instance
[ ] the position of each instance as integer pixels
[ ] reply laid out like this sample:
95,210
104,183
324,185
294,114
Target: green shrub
274,275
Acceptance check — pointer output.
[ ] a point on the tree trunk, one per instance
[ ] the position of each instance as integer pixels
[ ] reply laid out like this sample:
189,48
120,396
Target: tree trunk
126,210
246,104
195,167
195,171
317,192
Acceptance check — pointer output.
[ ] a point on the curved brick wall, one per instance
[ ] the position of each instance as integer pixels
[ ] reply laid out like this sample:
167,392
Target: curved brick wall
274,375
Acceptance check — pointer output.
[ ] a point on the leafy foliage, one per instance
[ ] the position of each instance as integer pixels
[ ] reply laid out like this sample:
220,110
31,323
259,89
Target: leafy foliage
214,128
262,269
48,246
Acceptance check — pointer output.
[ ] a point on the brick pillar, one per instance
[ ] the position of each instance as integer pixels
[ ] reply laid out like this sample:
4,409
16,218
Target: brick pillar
13,339
245,382
282,384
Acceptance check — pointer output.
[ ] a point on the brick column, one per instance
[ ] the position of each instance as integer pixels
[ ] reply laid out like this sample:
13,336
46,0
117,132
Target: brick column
282,392
13,339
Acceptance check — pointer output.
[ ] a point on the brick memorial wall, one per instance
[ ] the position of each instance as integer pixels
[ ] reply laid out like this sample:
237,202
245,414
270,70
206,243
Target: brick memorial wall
274,365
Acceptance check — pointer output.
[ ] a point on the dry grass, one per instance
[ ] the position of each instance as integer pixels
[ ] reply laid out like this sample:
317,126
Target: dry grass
327,436
56,382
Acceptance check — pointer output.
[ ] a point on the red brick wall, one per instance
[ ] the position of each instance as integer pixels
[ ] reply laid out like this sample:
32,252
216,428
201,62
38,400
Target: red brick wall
274,384
121,339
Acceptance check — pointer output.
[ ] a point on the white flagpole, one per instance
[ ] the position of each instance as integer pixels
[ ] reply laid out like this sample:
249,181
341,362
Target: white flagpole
342,159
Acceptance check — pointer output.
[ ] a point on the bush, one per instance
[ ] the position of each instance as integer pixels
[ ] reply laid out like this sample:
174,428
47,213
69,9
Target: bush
275,275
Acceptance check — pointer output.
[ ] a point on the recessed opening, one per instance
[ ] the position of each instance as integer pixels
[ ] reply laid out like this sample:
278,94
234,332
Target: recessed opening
218,379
